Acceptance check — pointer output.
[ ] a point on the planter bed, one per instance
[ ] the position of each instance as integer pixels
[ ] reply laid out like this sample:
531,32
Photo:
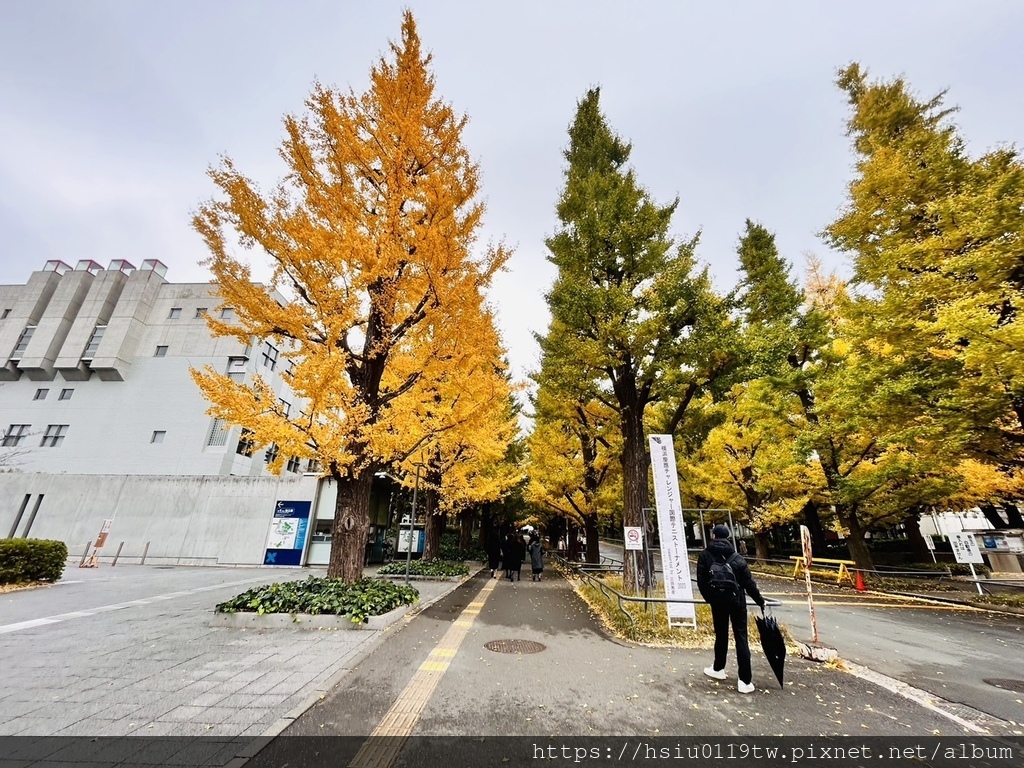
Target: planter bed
250,620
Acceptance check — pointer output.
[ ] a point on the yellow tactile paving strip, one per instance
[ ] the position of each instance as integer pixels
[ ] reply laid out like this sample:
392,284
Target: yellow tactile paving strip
383,746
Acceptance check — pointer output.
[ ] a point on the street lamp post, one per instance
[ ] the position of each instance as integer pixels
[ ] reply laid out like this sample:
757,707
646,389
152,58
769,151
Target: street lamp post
412,525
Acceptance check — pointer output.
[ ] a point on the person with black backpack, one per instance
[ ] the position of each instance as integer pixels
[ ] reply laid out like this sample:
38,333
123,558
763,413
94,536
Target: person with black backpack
724,581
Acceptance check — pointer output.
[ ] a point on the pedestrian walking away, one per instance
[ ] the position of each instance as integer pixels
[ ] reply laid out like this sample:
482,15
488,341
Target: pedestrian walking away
517,554
494,554
724,581
536,550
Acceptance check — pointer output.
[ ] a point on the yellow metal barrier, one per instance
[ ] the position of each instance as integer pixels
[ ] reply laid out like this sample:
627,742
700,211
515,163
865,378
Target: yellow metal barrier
844,571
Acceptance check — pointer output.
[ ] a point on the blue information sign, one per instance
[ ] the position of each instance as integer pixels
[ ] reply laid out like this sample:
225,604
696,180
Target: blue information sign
287,535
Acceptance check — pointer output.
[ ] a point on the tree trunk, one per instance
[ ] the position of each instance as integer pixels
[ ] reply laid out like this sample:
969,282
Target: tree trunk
813,521
434,523
991,513
761,541
351,527
486,526
556,530
593,544
466,518
1013,516
634,480
859,552
573,543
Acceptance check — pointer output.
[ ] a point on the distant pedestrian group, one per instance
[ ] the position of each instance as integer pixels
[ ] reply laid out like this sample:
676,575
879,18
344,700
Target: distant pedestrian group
513,551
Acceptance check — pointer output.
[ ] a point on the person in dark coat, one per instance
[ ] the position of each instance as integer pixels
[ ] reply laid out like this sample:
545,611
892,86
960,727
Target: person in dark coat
494,554
536,550
507,546
735,609
517,554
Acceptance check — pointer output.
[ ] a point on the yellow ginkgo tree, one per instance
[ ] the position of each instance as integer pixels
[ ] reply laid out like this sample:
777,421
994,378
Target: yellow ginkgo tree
370,235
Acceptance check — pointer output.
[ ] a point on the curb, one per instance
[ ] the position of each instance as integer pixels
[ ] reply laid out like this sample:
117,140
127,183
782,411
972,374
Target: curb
249,620
1006,610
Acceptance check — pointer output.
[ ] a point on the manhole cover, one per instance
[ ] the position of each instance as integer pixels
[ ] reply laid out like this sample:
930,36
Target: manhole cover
1017,686
514,646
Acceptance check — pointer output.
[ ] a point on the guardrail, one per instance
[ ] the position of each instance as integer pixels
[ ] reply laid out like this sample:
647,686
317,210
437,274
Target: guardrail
589,571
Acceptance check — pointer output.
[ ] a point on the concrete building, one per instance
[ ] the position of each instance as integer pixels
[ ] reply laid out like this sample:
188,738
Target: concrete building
102,421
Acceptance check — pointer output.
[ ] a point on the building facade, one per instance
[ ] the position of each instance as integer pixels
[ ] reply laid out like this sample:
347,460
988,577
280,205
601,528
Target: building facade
101,420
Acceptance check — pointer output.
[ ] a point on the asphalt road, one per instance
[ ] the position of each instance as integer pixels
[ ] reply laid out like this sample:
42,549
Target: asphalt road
949,651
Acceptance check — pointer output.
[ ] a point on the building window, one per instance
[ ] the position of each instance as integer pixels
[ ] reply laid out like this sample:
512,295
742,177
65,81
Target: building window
246,443
54,435
269,355
200,312
6,313
294,464
94,342
227,313
175,313
290,370
271,453
161,351
236,368
41,394
218,433
286,408
312,465
65,394
158,436
23,340
15,435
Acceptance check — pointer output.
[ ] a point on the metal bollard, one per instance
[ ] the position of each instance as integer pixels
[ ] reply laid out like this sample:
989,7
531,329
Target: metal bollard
81,563
144,553
117,555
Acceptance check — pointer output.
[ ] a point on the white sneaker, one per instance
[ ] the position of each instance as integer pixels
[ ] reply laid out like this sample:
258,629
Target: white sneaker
718,674
744,687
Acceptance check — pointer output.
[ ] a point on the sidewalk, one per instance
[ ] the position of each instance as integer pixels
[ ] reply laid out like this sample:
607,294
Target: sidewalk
84,659
581,682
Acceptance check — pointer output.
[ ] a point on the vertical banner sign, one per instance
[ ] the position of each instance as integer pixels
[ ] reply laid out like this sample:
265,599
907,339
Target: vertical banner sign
287,534
672,532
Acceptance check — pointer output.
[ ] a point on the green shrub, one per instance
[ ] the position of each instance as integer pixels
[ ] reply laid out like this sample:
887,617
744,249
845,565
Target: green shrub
449,549
23,560
358,601
439,568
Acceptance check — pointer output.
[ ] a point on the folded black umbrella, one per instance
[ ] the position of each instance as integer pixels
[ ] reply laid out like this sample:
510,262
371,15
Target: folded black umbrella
772,642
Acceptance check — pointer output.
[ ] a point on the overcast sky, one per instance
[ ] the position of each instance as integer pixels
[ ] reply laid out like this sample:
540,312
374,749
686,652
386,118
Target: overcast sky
110,112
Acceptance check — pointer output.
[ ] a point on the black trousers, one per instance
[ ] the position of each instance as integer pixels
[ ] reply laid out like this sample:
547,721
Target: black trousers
737,614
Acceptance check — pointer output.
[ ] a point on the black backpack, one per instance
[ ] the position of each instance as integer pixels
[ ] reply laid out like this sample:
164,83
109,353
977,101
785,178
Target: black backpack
722,584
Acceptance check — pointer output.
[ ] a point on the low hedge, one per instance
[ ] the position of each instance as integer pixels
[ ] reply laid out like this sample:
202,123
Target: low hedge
439,568
359,600
23,560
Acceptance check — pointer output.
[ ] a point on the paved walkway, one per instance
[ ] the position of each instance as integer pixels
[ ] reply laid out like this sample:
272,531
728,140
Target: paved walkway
130,651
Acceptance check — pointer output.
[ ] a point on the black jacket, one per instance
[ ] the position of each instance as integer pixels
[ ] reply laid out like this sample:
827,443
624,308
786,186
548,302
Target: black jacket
722,548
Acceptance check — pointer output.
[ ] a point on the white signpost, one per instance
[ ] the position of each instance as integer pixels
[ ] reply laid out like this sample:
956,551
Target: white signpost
965,550
672,532
634,537
633,541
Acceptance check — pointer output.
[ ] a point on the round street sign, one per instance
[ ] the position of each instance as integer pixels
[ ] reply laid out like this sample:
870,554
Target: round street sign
634,537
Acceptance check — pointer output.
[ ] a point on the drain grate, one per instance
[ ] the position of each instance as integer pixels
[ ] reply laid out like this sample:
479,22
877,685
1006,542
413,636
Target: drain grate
1017,686
515,646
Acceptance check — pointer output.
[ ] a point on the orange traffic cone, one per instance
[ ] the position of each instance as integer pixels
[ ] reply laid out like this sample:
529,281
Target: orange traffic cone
859,585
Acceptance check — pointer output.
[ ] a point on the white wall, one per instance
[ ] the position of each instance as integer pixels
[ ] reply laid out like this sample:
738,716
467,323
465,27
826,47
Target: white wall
186,520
